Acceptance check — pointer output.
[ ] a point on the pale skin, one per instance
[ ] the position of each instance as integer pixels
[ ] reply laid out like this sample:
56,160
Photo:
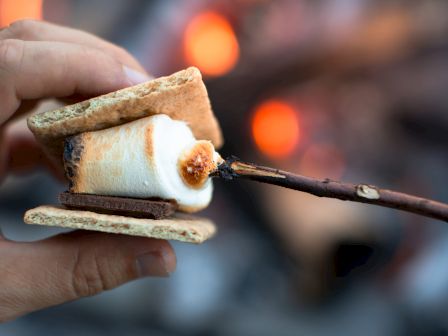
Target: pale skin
41,60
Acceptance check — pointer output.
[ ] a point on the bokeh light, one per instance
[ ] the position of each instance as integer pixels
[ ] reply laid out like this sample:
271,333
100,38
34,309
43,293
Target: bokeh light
13,10
275,128
210,44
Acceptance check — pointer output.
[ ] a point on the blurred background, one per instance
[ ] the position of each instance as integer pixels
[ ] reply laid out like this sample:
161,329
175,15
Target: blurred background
355,90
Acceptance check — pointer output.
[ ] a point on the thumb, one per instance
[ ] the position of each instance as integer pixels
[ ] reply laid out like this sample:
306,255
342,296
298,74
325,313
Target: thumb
70,266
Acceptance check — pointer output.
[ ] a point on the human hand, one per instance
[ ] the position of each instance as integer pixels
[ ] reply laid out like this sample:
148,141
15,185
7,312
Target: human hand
40,60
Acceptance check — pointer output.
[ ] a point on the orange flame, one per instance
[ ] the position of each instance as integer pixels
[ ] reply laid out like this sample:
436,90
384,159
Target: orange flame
275,128
13,10
210,44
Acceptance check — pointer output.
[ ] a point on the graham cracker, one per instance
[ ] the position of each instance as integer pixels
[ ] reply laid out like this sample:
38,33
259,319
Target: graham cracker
182,96
182,227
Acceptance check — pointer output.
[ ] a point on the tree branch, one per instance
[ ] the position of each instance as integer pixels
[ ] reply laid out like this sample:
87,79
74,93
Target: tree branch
363,193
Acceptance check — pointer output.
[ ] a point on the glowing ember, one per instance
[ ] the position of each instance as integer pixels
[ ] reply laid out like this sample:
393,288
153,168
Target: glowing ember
210,44
275,128
13,10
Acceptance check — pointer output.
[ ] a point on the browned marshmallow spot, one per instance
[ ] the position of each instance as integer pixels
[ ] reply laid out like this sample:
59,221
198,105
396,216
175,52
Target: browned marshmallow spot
196,163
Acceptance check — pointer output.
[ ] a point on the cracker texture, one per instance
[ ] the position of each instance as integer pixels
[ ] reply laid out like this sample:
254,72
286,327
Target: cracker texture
182,227
182,96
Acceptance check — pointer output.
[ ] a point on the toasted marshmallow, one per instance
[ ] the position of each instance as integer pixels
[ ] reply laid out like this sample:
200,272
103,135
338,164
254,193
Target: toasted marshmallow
149,157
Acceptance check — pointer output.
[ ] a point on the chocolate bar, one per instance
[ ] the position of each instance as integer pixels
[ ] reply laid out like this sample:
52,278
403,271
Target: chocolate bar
153,208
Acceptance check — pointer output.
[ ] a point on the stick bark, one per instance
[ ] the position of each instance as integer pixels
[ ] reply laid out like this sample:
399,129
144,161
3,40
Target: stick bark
234,168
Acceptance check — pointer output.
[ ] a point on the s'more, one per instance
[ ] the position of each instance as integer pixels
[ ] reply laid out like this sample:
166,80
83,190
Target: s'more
137,160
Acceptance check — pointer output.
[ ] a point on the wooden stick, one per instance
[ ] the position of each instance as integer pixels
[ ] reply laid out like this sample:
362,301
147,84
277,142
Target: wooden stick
363,193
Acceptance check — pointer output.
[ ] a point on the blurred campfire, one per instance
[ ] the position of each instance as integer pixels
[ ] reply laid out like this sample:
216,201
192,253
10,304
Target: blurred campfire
365,84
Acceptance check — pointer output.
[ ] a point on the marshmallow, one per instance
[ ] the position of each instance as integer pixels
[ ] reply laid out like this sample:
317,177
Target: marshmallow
149,157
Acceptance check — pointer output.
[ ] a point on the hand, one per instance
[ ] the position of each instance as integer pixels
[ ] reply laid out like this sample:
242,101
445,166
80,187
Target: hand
40,60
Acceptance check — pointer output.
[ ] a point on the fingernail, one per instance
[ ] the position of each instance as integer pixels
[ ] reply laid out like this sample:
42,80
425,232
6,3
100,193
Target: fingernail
152,264
135,77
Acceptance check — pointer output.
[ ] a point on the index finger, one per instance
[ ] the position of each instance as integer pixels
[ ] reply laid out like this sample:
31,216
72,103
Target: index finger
33,70
33,30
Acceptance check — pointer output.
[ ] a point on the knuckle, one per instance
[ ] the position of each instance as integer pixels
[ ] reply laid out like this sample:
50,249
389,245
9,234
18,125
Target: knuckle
22,28
89,277
11,53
